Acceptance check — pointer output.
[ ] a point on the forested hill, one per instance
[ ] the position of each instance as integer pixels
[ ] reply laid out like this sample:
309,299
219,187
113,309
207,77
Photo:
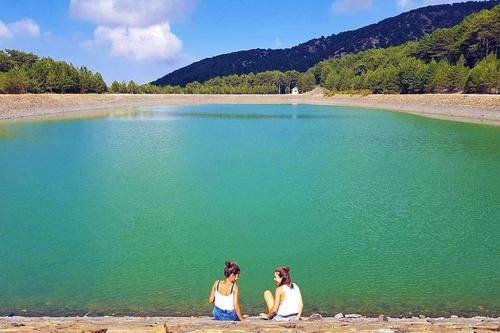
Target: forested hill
393,31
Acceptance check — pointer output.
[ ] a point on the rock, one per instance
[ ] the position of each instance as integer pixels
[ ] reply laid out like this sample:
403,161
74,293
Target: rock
315,317
454,317
385,330
421,317
339,315
353,316
382,318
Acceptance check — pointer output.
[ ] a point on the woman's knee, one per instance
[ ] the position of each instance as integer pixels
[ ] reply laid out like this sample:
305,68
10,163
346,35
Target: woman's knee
267,294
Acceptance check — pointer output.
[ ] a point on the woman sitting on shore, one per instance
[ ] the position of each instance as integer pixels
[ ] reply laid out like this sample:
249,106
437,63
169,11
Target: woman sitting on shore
225,294
287,303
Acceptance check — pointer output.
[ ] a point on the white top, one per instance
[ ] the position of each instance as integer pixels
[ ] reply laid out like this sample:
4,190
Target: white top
224,302
291,304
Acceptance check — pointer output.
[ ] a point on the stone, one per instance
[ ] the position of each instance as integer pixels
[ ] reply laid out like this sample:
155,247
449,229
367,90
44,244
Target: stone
339,315
315,317
454,317
353,316
382,318
421,317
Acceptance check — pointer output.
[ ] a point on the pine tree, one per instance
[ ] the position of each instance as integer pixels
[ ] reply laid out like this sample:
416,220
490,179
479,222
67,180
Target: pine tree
307,82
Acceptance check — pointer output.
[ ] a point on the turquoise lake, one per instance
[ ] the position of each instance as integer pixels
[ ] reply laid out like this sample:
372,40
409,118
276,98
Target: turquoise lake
375,212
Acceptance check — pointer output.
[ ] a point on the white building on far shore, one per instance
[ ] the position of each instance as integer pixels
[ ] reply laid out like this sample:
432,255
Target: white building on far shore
295,91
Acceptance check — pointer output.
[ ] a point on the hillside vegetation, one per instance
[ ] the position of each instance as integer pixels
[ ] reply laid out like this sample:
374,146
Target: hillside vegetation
464,58
394,31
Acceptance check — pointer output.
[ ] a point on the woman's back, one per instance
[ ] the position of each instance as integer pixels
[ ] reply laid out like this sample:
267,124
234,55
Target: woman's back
224,298
291,303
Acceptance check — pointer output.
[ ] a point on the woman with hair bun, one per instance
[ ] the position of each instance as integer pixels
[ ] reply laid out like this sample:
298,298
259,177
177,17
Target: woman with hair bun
287,303
225,294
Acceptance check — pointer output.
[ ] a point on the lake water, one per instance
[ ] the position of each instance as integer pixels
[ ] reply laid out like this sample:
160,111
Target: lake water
375,212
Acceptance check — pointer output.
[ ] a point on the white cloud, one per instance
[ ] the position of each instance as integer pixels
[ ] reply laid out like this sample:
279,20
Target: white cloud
277,43
350,6
4,31
136,29
405,4
25,27
21,28
140,43
131,12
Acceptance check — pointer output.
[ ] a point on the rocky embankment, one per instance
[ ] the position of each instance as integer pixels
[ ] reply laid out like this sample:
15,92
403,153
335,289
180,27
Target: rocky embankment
314,323
458,107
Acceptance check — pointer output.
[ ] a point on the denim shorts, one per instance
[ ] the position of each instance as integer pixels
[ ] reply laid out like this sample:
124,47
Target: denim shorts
220,314
289,317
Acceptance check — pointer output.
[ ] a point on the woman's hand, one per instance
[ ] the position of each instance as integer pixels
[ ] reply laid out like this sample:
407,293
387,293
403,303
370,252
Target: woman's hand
263,316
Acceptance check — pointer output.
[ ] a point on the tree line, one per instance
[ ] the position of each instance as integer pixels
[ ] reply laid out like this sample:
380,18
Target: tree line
22,72
270,82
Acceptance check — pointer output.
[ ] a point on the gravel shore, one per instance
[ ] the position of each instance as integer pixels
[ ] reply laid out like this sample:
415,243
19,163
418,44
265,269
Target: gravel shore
205,324
458,107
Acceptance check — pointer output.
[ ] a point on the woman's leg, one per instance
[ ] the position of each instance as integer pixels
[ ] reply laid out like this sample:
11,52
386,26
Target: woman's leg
268,297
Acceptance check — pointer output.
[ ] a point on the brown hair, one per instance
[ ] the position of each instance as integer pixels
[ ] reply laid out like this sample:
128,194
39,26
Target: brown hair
231,268
284,273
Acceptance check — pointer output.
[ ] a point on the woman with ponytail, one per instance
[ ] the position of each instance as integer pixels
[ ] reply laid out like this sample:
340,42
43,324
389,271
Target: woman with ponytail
225,294
287,303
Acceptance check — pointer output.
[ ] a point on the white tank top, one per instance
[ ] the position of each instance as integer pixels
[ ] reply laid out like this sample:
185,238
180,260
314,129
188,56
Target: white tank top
224,302
292,300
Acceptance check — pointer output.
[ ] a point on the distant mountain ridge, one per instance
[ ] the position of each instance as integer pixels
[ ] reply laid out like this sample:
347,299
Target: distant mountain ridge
393,31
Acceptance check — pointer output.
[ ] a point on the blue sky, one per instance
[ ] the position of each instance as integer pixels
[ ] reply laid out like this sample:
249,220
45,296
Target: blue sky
142,40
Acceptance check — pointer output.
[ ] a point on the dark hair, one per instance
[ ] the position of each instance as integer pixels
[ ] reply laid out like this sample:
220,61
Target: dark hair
231,268
284,273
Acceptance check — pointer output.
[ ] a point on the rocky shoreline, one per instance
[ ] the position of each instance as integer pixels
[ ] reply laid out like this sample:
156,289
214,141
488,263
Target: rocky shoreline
484,109
313,323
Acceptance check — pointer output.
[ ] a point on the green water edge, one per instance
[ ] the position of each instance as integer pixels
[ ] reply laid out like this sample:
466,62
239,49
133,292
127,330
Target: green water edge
452,267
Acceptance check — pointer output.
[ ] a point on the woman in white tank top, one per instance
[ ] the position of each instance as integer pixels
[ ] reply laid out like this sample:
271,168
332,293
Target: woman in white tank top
225,295
287,303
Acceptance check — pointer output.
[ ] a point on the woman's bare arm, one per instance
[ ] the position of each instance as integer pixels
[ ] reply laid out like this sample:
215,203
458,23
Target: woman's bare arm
236,301
277,301
301,306
211,298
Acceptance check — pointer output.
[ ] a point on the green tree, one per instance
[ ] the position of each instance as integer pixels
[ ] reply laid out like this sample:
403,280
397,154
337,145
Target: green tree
132,87
442,79
20,58
16,81
306,82
458,76
384,80
485,76
332,81
410,80
98,83
115,87
193,87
